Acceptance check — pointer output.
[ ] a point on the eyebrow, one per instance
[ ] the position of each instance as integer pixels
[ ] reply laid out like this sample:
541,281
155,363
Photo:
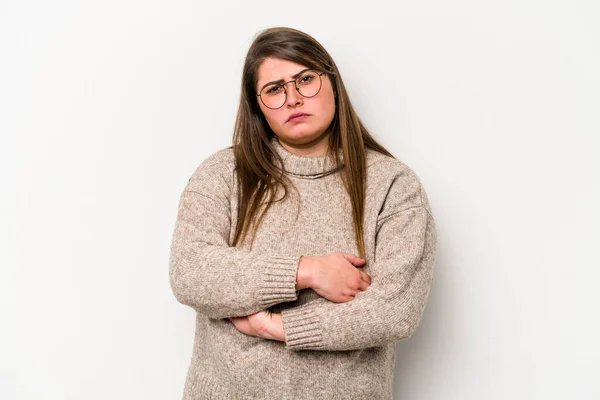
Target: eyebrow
281,80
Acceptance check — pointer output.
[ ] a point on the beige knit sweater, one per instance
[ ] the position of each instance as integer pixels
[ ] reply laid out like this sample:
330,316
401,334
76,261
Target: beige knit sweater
332,350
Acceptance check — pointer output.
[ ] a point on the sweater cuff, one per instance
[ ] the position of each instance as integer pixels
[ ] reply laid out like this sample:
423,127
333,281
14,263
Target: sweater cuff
278,284
302,328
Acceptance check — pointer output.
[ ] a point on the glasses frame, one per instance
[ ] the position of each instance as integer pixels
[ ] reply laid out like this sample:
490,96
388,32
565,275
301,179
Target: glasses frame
296,86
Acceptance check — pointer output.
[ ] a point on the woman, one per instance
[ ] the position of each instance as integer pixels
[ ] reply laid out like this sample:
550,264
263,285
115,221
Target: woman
306,248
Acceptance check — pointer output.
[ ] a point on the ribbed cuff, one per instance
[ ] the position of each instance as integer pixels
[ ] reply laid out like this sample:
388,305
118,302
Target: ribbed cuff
302,328
279,280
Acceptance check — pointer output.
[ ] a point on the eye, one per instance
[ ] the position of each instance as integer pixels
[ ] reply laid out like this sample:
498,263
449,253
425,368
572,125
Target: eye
272,90
306,78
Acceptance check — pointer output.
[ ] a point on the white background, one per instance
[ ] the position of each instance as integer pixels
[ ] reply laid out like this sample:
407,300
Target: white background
107,107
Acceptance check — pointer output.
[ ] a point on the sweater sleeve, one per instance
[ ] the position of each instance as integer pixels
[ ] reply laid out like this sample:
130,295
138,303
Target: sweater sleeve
390,309
207,274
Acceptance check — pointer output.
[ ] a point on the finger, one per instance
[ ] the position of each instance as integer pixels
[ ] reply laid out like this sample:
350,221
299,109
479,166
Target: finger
362,286
357,260
360,261
366,277
353,259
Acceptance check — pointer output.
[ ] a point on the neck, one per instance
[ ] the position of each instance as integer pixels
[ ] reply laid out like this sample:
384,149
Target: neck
315,148
308,167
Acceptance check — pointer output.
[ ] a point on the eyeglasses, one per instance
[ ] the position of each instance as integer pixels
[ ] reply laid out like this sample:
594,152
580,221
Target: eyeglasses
274,95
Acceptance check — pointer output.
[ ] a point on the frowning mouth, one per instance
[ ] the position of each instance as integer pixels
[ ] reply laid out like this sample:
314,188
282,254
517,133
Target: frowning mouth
297,117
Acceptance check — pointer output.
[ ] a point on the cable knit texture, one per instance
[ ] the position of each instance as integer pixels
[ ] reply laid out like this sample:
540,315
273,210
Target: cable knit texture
332,350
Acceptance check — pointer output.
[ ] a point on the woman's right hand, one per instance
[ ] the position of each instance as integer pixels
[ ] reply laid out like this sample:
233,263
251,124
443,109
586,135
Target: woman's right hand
336,276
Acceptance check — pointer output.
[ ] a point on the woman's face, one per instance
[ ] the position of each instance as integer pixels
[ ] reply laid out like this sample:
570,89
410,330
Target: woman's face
320,108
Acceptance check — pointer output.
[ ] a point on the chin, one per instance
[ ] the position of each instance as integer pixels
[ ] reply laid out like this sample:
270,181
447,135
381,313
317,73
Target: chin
308,136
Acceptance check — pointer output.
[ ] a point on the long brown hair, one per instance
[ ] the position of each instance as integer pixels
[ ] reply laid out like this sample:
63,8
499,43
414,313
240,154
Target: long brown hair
257,175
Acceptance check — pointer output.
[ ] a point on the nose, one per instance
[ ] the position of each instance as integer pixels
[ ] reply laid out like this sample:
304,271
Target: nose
293,97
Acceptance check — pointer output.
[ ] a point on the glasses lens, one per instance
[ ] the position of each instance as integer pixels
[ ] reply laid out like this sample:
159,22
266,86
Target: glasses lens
309,84
273,96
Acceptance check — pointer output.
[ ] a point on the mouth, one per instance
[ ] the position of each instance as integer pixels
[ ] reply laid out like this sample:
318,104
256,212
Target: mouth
297,117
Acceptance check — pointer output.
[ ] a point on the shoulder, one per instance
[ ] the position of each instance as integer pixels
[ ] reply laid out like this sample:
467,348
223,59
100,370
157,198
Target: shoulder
218,163
383,167
215,172
398,184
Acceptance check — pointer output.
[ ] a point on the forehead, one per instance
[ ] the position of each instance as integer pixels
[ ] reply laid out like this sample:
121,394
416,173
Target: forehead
273,69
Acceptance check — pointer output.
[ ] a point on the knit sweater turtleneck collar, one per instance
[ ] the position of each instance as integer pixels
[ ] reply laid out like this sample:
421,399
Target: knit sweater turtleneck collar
304,166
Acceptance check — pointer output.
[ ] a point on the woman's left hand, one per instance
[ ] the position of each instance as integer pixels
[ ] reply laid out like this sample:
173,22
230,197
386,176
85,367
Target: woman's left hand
263,324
